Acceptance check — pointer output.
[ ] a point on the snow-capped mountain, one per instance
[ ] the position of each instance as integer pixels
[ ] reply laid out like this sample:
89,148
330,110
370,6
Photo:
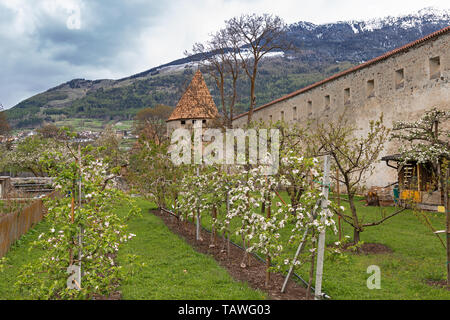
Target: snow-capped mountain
354,41
358,41
322,50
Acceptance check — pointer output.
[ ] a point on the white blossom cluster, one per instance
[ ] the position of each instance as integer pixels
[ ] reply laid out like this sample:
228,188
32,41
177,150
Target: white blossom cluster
249,191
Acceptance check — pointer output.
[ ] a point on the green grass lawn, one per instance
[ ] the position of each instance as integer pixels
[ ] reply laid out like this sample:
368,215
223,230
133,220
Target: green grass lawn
165,255
174,270
417,256
18,256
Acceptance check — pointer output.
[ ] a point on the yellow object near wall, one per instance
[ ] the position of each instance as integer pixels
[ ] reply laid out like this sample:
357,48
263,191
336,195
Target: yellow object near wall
411,195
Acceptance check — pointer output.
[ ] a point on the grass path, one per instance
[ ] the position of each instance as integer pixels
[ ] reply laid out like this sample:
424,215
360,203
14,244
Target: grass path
174,270
17,256
166,257
417,256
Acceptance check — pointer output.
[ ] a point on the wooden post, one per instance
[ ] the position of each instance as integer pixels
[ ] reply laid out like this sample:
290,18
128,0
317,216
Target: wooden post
311,273
321,244
228,226
418,177
447,222
72,219
80,237
197,229
269,212
213,233
338,194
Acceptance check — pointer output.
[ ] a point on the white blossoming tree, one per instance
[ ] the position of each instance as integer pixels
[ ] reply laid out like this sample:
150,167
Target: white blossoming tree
354,155
85,231
428,141
153,174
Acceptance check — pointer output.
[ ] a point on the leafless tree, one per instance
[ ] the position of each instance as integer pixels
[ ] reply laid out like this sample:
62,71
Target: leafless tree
354,158
150,123
221,61
252,37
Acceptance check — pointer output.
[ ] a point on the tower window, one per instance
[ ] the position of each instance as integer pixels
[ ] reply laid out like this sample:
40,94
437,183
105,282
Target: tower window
435,68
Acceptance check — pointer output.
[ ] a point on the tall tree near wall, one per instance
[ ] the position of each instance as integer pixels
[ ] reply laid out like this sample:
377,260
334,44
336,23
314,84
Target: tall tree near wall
252,37
428,141
221,61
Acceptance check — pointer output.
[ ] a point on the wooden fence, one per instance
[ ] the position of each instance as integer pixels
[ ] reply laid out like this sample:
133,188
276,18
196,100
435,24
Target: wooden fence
14,225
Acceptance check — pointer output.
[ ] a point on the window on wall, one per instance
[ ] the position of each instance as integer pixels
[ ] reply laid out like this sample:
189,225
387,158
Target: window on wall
346,96
183,122
203,121
282,115
399,79
435,68
270,118
194,121
294,113
327,101
309,107
370,88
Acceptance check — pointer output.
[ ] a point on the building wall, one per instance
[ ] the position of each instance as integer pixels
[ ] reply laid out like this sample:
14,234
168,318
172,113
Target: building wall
420,91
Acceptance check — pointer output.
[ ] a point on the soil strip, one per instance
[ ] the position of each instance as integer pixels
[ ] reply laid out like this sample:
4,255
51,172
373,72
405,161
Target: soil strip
255,271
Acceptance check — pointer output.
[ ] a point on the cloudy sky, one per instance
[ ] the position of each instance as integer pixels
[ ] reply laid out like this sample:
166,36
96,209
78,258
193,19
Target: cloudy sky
44,43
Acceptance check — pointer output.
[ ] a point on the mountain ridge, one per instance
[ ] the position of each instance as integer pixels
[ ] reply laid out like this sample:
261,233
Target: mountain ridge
324,49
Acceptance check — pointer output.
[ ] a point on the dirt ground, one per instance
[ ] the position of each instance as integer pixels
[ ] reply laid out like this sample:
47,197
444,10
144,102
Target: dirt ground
254,273
366,248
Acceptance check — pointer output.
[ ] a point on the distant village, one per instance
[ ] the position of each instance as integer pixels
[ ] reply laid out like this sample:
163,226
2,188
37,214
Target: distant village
82,136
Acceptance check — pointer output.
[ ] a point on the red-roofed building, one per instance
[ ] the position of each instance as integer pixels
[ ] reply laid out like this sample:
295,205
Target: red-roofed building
196,104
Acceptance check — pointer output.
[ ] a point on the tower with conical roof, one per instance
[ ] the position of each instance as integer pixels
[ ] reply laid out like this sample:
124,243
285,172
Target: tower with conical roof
196,104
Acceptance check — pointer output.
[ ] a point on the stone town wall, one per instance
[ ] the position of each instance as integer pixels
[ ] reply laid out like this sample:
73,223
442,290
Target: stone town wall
401,87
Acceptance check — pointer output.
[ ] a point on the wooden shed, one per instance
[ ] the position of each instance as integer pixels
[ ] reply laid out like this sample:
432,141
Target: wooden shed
5,186
417,182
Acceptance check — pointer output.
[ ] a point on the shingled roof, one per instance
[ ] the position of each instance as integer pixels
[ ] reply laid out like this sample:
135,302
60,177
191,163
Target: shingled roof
196,102
353,69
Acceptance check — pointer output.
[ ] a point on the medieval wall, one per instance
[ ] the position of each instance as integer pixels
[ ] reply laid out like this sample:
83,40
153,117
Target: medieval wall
401,87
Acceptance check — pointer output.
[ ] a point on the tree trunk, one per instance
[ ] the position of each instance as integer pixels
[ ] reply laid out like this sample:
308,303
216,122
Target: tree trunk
443,181
267,271
356,236
269,213
311,272
214,233
356,230
252,94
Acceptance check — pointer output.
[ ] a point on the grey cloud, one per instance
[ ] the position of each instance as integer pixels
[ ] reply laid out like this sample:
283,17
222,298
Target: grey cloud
51,53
